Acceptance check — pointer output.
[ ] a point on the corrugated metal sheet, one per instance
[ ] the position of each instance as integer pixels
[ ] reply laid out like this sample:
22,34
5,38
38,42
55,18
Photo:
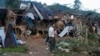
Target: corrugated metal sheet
39,10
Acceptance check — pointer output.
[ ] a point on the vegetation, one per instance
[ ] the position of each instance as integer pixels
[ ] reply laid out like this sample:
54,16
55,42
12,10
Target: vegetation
77,5
57,7
77,47
14,49
74,46
90,15
12,3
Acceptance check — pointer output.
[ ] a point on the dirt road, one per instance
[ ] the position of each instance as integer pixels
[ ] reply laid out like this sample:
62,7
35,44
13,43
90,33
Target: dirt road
36,47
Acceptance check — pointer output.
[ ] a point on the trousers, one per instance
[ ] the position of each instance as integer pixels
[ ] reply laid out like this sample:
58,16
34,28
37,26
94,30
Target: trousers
52,42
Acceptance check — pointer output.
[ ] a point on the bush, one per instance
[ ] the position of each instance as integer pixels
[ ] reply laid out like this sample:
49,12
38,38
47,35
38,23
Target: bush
73,44
92,36
77,47
93,40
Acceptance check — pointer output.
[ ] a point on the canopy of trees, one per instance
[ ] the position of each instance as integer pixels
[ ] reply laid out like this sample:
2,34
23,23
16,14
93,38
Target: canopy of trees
12,3
77,5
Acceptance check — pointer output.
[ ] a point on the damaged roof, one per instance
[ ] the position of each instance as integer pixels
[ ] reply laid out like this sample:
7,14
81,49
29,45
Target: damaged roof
40,10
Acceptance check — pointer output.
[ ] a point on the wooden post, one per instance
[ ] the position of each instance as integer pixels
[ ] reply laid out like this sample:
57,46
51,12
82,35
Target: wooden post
86,35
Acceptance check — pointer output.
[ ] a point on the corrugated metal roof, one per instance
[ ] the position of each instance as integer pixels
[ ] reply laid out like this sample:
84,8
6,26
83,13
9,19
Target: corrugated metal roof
42,10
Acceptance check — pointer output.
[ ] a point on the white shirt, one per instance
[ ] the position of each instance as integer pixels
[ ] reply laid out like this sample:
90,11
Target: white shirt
51,32
72,17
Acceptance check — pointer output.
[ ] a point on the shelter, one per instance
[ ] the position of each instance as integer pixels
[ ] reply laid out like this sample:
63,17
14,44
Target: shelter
37,9
36,15
10,40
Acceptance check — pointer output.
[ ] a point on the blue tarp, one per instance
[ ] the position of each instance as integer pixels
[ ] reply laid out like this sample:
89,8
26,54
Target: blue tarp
29,21
10,40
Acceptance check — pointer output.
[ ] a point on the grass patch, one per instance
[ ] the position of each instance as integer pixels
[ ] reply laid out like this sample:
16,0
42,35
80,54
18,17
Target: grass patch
20,49
59,53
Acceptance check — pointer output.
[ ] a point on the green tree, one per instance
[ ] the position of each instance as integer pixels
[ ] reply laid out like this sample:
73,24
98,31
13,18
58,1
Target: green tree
14,4
77,5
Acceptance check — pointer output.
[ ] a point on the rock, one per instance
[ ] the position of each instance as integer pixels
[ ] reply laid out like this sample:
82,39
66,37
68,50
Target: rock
0,53
59,47
84,52
4,54
30,52
67,50
47,48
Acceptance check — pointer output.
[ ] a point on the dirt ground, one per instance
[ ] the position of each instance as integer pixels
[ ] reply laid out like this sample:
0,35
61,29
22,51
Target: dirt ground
36,47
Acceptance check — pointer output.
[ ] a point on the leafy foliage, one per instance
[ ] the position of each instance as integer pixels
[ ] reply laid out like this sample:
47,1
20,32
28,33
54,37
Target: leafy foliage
72,44
12,3
2,3
58,7
77,4
78,47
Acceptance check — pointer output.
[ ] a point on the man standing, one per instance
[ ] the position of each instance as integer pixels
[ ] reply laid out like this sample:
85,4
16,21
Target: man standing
51,34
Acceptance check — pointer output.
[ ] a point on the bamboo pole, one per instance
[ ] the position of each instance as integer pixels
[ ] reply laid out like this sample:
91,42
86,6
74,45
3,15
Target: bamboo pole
86,35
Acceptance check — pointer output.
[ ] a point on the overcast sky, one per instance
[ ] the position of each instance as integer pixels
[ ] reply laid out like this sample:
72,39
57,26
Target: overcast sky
86,4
